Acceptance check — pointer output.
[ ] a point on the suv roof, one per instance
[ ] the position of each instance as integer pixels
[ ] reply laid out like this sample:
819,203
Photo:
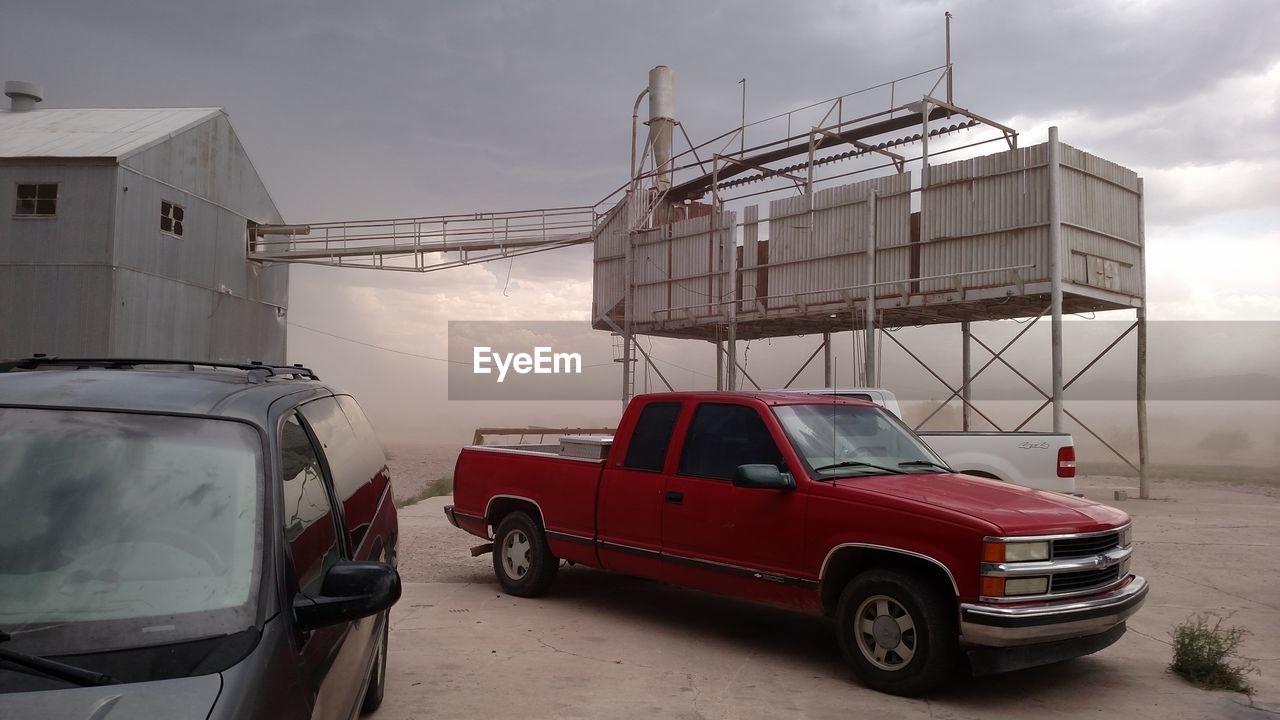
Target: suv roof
238,390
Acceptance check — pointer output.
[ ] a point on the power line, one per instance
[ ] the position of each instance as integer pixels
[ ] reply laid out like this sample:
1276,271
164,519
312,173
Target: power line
377,347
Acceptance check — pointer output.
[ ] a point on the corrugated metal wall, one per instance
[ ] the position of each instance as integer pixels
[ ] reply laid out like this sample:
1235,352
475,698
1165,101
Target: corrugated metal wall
1100,219
987,212
54,309
610,247
55,285
828,247
681,271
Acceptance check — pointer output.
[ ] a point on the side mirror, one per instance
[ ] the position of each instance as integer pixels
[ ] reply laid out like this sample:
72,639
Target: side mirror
351,590
767,477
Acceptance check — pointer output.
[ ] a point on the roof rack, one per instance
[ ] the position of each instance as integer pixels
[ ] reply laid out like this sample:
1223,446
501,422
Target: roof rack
257,370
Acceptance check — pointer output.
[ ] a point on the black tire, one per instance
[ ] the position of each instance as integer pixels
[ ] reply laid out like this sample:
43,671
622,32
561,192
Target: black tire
378,674
522,561
898,632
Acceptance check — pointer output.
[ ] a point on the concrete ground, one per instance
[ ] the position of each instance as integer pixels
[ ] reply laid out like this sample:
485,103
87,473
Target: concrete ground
607,646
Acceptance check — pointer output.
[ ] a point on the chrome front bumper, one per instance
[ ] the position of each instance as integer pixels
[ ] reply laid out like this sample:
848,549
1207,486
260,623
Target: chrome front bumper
995,626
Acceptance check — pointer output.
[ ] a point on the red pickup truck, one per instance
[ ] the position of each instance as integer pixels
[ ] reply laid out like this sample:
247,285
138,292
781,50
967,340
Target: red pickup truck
826,505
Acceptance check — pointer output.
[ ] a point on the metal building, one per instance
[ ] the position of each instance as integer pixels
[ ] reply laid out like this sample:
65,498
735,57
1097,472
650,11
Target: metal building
124,233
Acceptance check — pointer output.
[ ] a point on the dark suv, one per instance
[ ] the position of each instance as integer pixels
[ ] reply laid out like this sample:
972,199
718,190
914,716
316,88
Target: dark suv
187,540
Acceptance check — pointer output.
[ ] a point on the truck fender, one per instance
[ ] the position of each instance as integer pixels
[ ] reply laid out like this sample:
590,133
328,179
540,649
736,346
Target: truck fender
512,503
846,560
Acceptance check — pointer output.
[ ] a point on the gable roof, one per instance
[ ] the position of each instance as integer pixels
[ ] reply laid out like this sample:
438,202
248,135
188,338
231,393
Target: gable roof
94,132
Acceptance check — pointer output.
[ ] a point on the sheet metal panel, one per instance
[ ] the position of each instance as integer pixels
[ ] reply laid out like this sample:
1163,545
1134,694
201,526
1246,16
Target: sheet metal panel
985,213
92,132
160,317
208,161
832,253
893,231
652,258
54,309
80,232
1100,201
693,262
753,282
609,262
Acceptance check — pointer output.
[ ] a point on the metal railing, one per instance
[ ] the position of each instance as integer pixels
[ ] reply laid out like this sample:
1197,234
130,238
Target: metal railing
372,243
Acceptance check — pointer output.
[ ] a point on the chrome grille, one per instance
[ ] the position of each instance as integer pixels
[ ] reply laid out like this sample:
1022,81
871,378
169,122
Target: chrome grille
1085,546
1083,580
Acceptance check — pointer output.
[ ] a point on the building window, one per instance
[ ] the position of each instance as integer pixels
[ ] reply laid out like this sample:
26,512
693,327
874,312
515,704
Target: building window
171,217
37,200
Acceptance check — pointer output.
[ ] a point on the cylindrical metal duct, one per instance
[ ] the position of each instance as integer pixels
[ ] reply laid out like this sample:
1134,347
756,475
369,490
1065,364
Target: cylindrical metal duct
662,120
23,95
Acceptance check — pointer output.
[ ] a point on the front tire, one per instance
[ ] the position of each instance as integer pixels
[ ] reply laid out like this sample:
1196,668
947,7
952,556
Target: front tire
522,561
897,632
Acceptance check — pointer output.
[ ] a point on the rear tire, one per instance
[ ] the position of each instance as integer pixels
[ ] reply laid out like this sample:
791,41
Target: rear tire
897,632
522,561
378,675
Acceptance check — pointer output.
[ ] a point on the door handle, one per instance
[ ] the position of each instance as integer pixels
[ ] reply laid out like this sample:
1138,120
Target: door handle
675,498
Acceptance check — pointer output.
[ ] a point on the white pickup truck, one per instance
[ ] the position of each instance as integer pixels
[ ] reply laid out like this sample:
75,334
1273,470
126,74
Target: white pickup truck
1046,461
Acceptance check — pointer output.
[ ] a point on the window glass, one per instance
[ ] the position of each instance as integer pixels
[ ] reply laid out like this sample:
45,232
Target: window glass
355,460
362,504
171,217
37,199
837,439
722,437
651,436
120,530
308,518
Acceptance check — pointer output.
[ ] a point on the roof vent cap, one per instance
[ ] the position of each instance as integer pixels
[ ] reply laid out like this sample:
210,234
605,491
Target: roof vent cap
23,95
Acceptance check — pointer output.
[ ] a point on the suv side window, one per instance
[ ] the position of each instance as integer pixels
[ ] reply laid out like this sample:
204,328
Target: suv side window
356,460
309,526
722,437
647,449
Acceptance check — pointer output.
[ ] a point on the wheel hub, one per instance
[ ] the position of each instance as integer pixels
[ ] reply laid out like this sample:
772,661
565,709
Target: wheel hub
886,632
516,550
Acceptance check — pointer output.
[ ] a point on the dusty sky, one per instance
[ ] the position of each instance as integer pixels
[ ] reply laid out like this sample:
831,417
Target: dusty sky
362,110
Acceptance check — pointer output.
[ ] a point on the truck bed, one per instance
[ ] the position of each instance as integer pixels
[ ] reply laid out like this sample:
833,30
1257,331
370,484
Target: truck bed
562,488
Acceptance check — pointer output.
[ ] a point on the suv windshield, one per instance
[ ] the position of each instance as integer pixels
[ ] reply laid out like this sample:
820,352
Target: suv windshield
126,530
836,439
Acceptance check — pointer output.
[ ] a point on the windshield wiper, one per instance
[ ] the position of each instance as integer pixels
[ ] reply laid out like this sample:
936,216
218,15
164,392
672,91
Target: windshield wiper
858,463
53,668
924,463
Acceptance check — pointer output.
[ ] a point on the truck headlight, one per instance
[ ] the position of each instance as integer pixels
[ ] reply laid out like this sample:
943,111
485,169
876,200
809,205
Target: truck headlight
1002,552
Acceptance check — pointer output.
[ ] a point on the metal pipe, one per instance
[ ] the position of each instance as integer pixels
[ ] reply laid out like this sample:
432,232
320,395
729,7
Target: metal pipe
662,118
719,363
742,132
1144,480
827,379
1055,273
635,117
966,374
869,306
949,66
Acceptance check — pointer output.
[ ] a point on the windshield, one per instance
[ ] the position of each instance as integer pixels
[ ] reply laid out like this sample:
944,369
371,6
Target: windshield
124,530
835,439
